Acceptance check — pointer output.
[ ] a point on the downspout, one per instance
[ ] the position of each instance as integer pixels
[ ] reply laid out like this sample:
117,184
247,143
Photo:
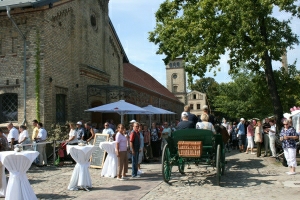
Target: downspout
24,41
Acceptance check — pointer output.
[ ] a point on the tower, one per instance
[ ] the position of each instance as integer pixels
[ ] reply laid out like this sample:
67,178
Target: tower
176,79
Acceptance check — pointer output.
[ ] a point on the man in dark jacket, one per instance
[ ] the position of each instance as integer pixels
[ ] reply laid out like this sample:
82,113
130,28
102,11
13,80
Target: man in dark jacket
191,117
185,123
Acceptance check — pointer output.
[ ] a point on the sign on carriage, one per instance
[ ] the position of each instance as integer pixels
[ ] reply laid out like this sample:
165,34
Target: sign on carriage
98,156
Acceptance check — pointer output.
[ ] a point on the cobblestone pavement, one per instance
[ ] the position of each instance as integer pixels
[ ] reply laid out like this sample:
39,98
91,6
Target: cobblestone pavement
246,176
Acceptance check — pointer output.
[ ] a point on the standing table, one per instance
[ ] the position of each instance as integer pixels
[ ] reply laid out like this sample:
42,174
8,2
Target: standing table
110,166
81,177
17,163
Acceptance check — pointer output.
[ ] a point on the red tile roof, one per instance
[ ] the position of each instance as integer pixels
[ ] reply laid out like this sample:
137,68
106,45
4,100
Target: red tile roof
134,75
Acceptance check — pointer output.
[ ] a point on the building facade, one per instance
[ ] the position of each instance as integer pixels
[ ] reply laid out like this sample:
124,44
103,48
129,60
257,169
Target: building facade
177,84
69,46
148,91
196,101
176,79
74,61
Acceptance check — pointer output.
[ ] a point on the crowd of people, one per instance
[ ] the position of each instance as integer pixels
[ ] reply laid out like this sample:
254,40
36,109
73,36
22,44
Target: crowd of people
138,142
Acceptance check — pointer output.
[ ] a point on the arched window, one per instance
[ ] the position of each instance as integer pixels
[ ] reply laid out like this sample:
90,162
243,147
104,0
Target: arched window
178,64
170,65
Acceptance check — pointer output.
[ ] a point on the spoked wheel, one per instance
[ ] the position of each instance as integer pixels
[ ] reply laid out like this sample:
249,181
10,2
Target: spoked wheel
223,162
218,164
166,166
181,165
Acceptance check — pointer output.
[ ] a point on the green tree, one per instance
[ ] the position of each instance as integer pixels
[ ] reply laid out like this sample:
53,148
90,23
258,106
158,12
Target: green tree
246,95
202,30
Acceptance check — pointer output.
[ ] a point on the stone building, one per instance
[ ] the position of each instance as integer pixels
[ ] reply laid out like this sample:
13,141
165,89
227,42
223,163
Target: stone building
74,61
150,92
196,101
176,79
177,84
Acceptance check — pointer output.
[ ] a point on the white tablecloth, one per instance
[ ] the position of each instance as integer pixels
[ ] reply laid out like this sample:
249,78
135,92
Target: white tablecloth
81,175
3,183
17,163
110,166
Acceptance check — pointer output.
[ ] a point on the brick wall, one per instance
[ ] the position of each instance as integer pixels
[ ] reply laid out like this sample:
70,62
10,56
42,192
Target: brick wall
77,48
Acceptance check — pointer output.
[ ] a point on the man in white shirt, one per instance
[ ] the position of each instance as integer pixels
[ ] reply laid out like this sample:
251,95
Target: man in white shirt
108,130
41,148
13,136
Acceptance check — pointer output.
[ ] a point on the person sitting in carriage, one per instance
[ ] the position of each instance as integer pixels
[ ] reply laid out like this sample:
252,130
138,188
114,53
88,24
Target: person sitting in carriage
185,123
205,124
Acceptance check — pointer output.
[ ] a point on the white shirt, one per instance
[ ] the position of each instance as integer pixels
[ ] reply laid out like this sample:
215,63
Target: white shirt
205,125
42,135
23,135
13,133
71,134
273,128
108,131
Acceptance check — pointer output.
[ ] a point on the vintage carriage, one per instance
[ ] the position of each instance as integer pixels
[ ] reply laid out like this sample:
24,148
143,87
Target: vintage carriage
200,147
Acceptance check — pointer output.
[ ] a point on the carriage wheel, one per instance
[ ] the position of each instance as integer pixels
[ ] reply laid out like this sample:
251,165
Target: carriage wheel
181,165
166,166
223,162
218,164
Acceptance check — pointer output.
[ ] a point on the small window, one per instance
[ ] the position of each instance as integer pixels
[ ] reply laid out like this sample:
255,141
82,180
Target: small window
178,64
170,65
198,106
93,20
194,96
192,106
175,88
61,108
201,97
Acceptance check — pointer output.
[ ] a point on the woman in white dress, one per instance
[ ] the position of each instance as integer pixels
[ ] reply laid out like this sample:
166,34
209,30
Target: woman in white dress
204,124
24,137
72,135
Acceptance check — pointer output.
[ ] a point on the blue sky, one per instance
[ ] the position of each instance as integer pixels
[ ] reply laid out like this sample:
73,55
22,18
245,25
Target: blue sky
133,19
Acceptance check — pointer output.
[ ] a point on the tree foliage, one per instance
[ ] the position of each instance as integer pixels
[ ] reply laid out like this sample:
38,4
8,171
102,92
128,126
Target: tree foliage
246,95
202,30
